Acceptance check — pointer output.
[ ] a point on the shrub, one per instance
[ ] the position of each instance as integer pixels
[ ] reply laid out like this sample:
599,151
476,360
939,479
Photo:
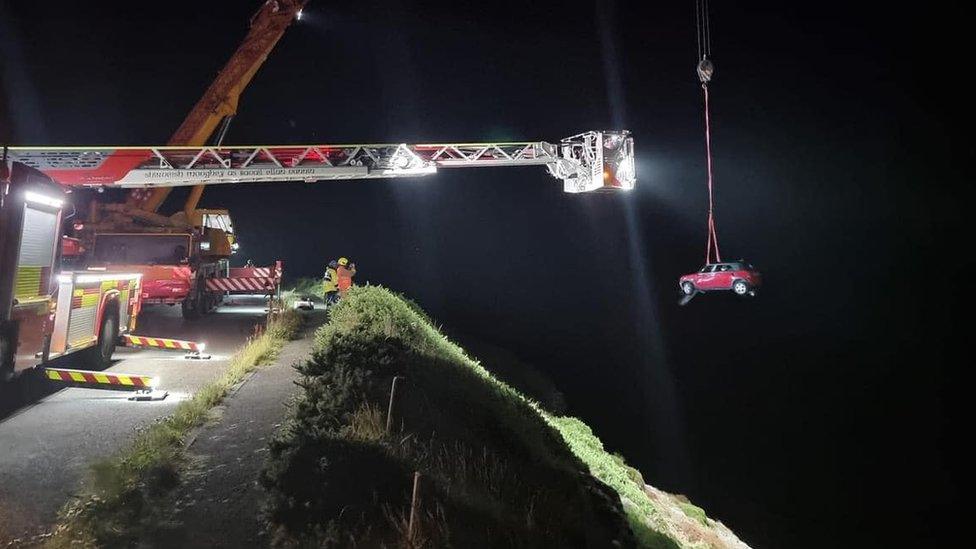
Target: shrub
495,473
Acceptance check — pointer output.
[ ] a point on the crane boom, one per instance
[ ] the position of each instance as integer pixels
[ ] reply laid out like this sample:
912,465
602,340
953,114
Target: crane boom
220,100
588,161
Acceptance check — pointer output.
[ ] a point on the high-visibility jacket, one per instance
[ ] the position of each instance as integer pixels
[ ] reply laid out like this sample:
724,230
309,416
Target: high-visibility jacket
345,275
330,283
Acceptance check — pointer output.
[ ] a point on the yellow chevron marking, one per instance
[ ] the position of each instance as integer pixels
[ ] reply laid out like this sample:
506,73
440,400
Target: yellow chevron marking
125,380
75,376
28,282
82,342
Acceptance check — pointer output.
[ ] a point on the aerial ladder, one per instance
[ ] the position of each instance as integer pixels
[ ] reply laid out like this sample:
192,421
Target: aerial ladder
47,312
589,161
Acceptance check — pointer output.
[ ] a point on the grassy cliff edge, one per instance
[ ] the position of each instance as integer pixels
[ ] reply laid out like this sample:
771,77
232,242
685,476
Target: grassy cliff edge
496,469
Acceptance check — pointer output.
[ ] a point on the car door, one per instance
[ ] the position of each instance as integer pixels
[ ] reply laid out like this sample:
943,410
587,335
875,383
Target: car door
722,278
706,278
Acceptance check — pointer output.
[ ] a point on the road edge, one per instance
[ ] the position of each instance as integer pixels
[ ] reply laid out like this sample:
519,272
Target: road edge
117,501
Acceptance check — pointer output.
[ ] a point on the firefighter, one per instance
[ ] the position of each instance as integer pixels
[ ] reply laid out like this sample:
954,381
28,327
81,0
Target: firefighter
345,272
330,286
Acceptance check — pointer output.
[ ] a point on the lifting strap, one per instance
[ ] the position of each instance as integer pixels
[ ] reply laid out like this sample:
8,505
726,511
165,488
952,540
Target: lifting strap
705,70
712,242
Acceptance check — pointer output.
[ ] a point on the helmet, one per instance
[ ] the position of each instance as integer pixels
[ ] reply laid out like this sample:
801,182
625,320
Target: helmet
343,261
333,264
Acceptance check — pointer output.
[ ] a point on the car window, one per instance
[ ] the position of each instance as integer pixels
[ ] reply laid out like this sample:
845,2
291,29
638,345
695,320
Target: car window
725,268
706,269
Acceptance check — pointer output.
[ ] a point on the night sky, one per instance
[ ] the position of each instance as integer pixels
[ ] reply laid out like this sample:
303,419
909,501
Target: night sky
818,414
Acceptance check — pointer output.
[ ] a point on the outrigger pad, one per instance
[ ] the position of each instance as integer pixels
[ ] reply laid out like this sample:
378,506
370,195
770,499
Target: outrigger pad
144,396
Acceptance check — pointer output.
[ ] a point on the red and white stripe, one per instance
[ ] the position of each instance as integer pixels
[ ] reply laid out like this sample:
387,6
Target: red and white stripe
254,272
240,284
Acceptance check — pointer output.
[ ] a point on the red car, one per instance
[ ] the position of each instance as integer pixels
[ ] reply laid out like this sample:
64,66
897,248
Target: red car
738,276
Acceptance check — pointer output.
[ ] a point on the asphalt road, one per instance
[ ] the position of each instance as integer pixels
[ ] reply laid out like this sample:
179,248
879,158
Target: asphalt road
47,441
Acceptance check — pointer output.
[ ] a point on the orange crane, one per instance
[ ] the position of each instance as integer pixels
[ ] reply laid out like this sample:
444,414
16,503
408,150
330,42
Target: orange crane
219,103
136,224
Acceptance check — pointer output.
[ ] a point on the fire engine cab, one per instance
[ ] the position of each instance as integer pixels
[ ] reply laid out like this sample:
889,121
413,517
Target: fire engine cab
46,313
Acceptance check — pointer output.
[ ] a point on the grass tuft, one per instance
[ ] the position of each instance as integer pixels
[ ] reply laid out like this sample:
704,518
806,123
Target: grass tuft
694,512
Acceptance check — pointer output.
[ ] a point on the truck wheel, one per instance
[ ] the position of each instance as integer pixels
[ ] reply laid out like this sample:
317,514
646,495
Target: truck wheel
213,301
740,287
191,308
687,288
6,369
100,356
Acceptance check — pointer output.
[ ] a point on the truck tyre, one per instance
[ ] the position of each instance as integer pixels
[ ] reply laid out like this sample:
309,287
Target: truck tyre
6,366
100,356
213,301
191,308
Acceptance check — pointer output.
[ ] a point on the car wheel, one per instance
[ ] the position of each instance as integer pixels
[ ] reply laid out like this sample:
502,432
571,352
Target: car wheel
687,288
740,287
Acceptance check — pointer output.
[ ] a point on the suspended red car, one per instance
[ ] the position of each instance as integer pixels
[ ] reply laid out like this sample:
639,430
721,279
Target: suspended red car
737,276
